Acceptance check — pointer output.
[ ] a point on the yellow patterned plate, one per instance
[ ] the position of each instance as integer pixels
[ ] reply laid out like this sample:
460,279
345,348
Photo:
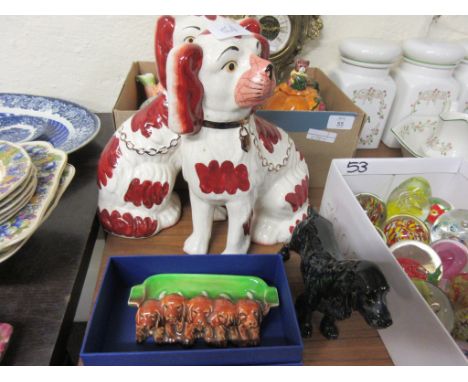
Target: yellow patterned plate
50,164
15,166
16,205
65,180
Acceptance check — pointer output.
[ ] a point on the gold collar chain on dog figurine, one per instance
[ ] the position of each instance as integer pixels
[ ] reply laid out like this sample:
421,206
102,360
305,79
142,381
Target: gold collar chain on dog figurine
152,151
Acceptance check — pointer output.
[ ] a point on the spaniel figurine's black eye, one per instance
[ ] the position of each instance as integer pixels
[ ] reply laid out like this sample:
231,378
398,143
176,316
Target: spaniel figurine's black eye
230,66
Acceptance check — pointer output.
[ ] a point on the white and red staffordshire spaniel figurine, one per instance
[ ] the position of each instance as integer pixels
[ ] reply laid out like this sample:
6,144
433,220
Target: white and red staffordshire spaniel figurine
228,157
140,163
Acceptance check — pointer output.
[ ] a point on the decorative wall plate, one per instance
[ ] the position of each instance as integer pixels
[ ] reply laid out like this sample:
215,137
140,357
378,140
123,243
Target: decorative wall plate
21,128
66,125
15,165
50,164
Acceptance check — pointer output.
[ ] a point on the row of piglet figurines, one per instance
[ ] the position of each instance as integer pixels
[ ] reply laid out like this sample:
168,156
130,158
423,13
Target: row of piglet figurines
236,164
176,319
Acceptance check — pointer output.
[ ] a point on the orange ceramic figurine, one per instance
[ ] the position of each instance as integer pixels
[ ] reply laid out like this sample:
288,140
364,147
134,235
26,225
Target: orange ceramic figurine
296,94
149,320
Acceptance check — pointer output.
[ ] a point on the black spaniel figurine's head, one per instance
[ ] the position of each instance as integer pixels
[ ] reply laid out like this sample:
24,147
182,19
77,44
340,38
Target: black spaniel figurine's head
369,295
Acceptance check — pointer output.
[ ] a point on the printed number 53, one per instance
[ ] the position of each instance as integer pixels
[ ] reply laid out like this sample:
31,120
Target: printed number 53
353,167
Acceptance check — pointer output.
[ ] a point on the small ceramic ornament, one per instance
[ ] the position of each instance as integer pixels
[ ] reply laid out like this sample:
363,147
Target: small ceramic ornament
148,80
334,287
411,197
405,227
451,225
6,331
296,94
375,208
151,86
216,309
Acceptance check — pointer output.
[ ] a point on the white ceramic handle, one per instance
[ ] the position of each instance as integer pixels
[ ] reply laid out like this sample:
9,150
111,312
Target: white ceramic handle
453,116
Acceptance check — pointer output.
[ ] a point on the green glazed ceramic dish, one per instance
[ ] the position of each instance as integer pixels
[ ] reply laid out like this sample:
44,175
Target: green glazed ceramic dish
213,286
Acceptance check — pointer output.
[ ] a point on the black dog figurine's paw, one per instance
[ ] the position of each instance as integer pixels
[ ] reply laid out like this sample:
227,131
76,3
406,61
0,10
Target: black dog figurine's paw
329,329
306,330
284,252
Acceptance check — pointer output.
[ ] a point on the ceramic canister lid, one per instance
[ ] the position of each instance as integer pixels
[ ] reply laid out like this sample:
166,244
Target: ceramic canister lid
424,51
370,50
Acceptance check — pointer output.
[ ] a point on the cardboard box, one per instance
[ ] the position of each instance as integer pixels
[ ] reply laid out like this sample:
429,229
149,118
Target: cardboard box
416,337
320,150
338,128
110,334
132,94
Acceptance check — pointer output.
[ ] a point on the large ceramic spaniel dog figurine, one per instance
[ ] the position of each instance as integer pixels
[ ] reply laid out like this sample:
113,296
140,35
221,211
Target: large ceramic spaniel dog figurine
140,163
227,158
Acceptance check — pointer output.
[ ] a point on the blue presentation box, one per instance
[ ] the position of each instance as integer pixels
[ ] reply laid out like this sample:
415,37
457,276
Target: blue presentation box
110,335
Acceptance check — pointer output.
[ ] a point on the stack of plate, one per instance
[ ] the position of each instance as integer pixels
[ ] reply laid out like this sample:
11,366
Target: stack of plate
33,178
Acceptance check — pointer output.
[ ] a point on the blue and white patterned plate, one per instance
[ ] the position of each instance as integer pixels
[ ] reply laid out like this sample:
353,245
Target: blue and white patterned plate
66,125
21,128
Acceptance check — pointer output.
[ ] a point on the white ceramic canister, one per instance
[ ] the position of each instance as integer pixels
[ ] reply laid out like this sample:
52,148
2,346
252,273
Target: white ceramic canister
363,75
461,74
425,82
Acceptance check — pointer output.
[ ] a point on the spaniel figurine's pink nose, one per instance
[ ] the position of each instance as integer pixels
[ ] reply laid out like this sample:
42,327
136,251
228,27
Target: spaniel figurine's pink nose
256,84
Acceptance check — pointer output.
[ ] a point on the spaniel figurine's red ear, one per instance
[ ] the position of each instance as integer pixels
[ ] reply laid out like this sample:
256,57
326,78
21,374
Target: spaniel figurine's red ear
251,24
163,43
184,89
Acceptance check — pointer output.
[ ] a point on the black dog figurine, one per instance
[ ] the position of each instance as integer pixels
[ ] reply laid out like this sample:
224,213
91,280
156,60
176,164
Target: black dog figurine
334,287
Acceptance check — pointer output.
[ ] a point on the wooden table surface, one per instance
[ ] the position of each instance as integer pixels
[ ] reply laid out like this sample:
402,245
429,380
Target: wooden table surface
358,344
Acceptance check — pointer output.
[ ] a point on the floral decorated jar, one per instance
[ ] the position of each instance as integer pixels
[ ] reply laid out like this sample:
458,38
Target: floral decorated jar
461,74
425,82
363,75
